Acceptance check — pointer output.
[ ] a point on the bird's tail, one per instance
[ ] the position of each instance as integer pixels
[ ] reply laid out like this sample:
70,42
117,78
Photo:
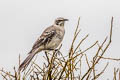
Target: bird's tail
26,62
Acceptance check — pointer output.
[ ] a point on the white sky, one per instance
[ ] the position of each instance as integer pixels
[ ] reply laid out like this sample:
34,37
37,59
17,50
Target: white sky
22,21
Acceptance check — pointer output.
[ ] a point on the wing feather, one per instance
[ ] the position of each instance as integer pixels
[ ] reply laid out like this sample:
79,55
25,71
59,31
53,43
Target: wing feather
45,38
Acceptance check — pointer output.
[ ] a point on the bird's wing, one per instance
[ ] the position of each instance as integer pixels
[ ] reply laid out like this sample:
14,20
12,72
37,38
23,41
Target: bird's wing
45,38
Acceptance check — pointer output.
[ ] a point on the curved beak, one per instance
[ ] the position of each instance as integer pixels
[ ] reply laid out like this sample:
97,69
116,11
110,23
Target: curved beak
66,20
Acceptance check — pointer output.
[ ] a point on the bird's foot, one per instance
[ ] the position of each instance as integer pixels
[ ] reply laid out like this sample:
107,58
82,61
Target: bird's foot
57,51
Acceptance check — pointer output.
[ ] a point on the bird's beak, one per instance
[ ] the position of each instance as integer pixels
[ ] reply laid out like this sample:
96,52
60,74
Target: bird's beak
66,20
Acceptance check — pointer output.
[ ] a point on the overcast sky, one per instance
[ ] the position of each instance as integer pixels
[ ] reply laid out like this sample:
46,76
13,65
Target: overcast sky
22,22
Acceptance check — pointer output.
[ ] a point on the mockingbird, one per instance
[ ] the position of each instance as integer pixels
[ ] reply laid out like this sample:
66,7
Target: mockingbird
49,40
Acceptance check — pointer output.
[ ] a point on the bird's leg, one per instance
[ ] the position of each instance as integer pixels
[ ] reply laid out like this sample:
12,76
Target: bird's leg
47,58
57,51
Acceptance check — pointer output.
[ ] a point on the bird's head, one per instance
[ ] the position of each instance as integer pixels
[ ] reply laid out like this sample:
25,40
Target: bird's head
60,21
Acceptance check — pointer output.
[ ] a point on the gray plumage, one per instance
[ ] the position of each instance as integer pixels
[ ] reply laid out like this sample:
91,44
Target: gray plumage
50,39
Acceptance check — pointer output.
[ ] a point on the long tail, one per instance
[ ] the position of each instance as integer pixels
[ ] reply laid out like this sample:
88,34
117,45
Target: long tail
26,62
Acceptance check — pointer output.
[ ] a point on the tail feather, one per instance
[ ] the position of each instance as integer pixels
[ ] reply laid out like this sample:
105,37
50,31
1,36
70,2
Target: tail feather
26,62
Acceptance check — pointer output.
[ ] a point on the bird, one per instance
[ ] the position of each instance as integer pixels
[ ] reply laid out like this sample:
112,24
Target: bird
50,39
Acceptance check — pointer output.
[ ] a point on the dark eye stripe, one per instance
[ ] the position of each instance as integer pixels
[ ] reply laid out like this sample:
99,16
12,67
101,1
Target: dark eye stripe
58,21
